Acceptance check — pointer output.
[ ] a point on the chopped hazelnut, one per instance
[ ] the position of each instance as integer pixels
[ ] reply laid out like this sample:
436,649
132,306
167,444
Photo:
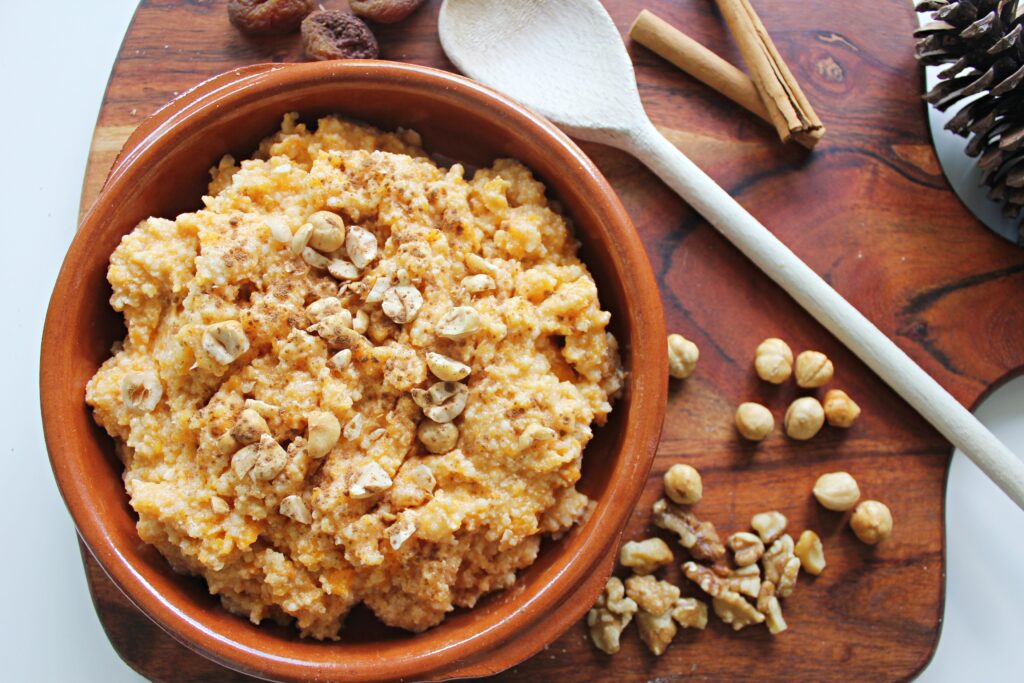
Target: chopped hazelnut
295,508
769,525
141,391
871,522
804,418
437,438
610,615
837,491
773,360
645,557
443,401
458,323
813,369
270,460
373,479
811,553
753,421
248,427
445,368
328,231
682,356
840,410
225,341
322,433
683,485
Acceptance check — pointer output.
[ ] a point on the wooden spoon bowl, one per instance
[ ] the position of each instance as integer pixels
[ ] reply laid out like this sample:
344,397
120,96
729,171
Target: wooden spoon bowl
164,172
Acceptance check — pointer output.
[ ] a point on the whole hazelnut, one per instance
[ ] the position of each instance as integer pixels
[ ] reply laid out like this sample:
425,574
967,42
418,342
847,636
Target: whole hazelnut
754,421
837,491
840,410
813,369
683,484
773,360
871,522
682,356
804,418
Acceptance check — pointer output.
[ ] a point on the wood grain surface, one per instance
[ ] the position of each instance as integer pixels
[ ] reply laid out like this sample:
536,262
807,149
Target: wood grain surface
869,209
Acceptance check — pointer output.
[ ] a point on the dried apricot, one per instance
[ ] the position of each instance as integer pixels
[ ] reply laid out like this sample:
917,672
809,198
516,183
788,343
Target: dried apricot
267,17
384,11
335,34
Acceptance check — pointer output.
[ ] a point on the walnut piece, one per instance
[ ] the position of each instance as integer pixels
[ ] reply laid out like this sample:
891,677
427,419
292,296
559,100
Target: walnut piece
773,360
745,580
746,547
733,609
267,17
656,600
652,595
683,484
645,557
708,581
384,11
610,615
336,34
691,613
656,630
769,525
768,605
781,566
811,553
700,538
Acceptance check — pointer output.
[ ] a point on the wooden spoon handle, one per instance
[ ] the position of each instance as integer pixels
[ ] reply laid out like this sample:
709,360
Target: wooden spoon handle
840,317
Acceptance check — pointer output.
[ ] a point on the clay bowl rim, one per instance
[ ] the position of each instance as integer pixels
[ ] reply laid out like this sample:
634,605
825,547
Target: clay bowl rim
547,613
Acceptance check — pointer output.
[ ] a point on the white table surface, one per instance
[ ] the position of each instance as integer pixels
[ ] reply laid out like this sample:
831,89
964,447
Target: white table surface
50,632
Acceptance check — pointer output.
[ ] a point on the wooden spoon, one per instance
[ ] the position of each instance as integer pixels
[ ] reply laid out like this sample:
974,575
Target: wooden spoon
567,61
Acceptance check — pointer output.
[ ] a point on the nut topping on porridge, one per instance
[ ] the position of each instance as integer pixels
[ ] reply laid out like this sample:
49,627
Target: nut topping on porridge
225,341
402,303
445,368
459,323
302,348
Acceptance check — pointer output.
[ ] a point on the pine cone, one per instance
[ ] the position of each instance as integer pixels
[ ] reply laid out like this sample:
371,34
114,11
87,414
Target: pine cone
983,42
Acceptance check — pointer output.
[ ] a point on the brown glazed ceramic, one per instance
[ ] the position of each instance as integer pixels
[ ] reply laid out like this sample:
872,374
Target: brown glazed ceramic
162,171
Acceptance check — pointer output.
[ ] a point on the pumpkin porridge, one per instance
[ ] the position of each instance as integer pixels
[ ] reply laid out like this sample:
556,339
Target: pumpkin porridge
355,376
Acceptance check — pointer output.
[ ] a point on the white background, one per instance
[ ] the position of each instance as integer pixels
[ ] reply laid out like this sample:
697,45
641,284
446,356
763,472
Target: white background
54,63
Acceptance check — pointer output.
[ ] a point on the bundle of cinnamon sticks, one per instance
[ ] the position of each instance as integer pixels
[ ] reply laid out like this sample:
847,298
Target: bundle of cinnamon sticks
771,91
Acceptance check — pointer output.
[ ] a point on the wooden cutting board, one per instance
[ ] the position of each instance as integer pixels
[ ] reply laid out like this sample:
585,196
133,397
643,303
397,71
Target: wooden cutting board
869,209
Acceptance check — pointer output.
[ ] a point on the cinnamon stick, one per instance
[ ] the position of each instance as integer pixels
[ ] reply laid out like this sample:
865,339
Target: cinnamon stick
686,53
788,108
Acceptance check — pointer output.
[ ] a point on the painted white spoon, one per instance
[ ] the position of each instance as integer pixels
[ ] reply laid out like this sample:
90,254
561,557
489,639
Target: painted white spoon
566,60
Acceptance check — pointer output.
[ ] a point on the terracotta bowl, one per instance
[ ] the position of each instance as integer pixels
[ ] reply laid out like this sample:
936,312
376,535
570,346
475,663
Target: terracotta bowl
162,171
